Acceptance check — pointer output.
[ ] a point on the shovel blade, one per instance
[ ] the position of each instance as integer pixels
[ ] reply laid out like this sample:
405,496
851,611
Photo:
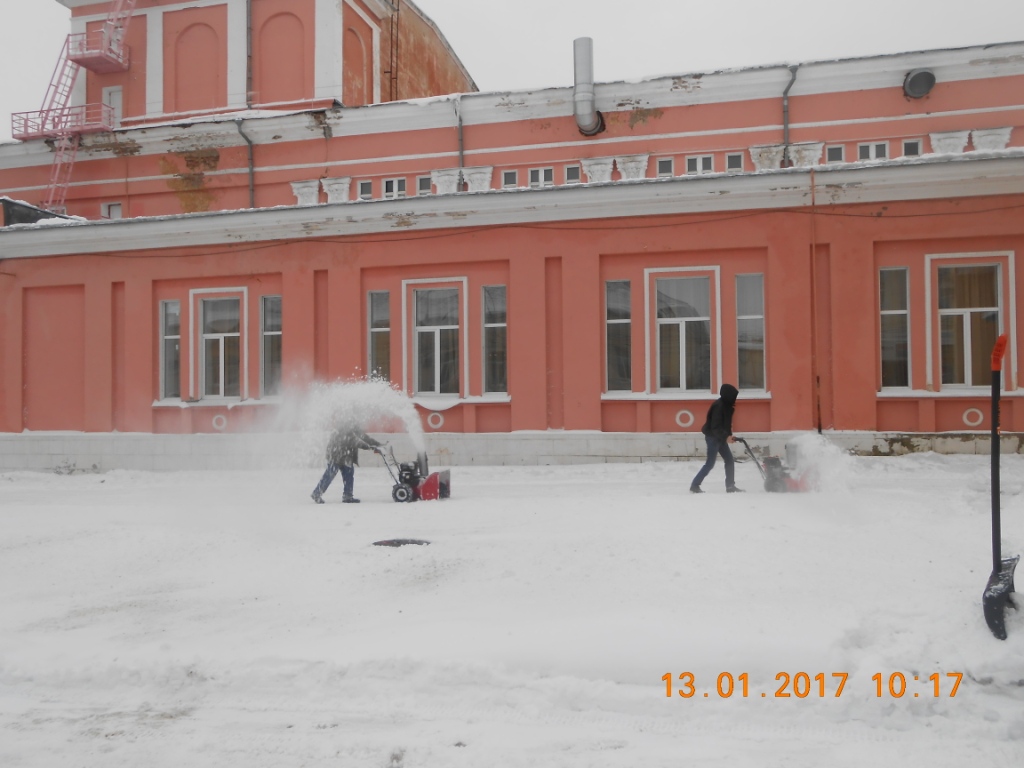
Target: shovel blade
997,596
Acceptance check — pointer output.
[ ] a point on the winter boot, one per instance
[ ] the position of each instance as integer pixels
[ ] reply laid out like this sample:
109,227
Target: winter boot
349,500
317,497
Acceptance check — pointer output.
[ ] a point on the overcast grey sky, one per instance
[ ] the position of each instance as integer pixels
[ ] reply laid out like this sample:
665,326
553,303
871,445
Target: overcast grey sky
524,44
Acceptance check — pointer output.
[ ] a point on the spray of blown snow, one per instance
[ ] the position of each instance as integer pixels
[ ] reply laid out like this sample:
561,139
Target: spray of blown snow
823,465
372,403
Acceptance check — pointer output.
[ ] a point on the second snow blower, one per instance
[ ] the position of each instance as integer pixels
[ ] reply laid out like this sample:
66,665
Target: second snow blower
778,478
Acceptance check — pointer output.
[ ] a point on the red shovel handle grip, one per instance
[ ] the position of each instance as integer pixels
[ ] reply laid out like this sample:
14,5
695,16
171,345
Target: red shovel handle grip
997,353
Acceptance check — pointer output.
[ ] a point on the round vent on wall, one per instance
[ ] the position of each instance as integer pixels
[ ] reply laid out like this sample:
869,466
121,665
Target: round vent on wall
918,83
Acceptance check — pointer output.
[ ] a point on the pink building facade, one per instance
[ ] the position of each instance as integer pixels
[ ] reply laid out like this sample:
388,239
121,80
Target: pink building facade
840,239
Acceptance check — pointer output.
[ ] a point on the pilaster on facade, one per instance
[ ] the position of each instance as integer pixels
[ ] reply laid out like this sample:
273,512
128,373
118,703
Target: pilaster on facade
949,142
306,192
598,169
632,167
806,154
329,59
767,156
991,139
337,189
446,180
478,178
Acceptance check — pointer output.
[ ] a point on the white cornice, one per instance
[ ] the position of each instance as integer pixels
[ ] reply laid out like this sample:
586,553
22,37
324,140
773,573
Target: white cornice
937,178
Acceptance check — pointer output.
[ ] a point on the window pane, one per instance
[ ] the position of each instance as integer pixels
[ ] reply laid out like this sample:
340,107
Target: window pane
271,314
895,351
494,304
425,361
968,287
271,365
172,318
380,309
211,372
984,332
668,356
232,367
952,345
864,152
698,355
684,297
172,368
620,375
495,356
449,362
749,295
220,316
617,300
892,289
437,307
380,354
750,338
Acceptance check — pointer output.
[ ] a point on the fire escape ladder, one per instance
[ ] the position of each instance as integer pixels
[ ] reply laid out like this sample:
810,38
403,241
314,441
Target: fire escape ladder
65,148
58,120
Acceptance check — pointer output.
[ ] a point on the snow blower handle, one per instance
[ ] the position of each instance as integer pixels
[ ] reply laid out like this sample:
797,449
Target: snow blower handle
750,453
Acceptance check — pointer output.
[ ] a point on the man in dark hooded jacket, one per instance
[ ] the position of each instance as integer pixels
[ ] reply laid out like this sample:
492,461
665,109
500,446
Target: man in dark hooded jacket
343,456
718,434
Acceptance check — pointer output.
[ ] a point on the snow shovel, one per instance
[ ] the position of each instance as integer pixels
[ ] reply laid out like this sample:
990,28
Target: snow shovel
1000,583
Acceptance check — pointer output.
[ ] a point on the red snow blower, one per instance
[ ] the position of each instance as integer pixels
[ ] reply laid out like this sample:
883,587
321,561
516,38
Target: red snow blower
778,478
413,480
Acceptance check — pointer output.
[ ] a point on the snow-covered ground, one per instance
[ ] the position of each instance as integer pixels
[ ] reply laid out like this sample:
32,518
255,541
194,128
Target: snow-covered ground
222,619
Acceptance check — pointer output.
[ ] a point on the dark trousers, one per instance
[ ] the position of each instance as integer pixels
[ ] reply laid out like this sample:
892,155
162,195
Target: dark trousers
348,476
717,448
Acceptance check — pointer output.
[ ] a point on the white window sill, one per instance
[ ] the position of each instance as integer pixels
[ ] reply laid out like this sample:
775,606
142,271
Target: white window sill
973,392
214,402
444,402
676,396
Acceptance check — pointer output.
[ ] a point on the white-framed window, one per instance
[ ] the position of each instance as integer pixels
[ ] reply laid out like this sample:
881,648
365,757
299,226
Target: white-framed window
379,307
666,166
365,189
969,322
912,147
894,326
436,352
270,346
835,153
697,164
878,150
495,314
509,179
424,186
750,331
683,312
734,162
113,97
111,211
618,336
170,349
572,174
220,344
394,188
542,177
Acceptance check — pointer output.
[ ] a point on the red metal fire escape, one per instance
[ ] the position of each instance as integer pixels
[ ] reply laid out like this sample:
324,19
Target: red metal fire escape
101,51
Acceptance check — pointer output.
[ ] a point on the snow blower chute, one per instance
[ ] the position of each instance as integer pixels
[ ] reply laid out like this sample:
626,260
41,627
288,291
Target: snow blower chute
413,479
778,478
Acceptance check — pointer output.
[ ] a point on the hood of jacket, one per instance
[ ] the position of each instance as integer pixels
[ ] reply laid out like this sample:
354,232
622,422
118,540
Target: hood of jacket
729,393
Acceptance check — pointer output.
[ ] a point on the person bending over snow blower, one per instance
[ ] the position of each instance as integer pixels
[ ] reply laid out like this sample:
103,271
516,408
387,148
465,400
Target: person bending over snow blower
343,456
718,434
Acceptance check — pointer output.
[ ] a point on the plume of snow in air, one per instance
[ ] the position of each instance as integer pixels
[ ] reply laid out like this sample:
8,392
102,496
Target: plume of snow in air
819,463
373,404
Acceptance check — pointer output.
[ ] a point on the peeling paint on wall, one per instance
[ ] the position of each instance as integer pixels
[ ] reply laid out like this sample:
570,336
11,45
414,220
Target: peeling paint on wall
688,84
190,185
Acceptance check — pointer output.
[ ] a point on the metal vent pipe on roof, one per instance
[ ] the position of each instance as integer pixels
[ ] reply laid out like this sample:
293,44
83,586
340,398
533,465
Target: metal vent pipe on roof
588,119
